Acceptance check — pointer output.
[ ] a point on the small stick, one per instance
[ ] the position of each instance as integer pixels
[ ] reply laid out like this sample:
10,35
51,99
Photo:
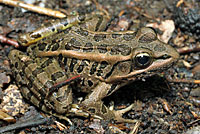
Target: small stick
182,80
195,121
99,7
4,39
135,129
60,84
187,49
34,8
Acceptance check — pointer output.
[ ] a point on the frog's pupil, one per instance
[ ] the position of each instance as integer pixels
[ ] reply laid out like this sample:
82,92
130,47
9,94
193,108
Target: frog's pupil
143,59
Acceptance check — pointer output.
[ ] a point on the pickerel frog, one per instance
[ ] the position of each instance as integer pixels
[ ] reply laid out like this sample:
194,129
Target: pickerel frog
105,61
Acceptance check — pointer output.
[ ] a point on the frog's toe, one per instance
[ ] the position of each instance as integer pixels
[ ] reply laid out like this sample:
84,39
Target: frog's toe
119,113
77,111
63,118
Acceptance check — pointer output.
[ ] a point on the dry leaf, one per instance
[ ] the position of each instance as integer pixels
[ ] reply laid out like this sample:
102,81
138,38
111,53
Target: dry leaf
167,27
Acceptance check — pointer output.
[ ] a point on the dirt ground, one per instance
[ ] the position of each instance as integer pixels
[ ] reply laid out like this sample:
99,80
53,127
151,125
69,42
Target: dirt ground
161,106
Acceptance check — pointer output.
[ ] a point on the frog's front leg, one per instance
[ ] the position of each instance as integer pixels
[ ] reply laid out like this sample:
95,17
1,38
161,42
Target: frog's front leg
93,104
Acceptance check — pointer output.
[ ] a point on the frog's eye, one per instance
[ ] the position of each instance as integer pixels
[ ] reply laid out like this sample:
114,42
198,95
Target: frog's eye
143,60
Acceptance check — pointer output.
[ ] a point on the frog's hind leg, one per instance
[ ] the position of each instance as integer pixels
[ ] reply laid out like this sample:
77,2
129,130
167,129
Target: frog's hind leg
93,102
40,104
36,77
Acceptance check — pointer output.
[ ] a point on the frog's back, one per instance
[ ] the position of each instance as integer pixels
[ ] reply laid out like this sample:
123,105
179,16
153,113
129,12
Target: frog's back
91,54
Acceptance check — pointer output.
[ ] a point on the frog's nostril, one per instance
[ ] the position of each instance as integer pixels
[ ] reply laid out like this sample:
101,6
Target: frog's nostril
166,56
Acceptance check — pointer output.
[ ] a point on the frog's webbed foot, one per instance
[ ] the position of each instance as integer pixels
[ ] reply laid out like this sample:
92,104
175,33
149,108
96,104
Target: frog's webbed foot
99,111
119,113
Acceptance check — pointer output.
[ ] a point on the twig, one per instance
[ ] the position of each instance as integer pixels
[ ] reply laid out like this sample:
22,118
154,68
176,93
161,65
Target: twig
195,121
3,39
100,8
33,121
135,129
182,80
63,83
34,8
187,49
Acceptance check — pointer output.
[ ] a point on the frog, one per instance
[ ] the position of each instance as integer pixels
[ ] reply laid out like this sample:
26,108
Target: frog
103,61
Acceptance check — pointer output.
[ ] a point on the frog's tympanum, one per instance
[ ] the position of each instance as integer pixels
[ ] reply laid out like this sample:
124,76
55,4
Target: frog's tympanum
105,62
